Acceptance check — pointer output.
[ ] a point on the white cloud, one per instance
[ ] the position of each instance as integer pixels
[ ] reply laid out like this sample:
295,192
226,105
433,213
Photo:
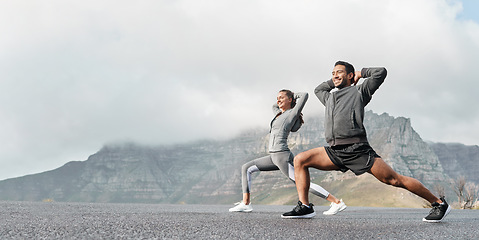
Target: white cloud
76,75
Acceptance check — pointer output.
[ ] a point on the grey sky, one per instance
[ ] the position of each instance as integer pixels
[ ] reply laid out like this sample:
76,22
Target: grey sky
75,75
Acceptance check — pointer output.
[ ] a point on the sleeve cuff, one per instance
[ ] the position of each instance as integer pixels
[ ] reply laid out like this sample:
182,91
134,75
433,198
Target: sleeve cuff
331,83
364,72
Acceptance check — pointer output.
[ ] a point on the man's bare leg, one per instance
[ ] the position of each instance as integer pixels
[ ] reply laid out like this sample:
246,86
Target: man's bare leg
317,158
384,173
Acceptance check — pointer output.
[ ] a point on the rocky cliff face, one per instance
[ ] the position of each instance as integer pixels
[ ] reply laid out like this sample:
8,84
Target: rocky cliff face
458,160
403,149
209,171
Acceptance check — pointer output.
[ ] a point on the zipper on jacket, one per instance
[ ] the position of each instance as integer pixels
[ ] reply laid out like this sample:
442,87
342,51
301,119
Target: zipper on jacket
332,119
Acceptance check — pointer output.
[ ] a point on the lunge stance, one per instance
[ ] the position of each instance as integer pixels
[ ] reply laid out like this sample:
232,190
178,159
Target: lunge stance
287,118
348,145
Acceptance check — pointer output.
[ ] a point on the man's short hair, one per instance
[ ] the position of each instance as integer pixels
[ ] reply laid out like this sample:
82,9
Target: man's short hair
349,67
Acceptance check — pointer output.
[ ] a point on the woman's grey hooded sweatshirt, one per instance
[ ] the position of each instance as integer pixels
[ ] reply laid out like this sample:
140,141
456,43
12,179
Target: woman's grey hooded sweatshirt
344,113
284,123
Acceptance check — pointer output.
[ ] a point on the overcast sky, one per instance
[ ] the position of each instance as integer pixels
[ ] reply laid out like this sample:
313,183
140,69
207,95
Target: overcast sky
75,75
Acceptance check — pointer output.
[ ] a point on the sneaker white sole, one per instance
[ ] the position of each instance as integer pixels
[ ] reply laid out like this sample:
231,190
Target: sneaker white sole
436,221
311,215
334,213
249,210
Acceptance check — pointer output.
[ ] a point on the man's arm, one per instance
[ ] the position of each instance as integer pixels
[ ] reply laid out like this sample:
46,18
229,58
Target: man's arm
322,91
374,78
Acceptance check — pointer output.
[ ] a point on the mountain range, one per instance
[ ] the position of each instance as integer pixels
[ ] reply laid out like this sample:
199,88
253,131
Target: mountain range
208,171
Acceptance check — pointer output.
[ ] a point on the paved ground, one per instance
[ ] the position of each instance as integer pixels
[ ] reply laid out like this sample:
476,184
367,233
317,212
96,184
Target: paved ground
25,220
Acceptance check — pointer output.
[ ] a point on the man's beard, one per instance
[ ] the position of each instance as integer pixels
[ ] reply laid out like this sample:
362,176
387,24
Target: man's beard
343,84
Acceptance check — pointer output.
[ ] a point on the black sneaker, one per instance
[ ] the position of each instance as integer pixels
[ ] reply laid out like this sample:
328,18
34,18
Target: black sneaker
438,211
300,211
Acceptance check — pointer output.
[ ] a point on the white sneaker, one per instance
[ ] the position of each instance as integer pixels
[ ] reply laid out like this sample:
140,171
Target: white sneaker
241,207
335,208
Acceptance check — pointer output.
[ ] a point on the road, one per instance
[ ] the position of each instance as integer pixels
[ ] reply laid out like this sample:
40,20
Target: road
27,220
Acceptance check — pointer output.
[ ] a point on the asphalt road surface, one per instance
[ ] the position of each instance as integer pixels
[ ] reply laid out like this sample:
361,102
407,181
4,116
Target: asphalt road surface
27,220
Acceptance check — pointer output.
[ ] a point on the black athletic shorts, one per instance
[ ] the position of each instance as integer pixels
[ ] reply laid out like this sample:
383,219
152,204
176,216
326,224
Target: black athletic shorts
357,157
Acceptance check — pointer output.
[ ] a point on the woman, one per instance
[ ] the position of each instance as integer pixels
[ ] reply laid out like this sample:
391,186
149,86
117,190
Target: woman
287,118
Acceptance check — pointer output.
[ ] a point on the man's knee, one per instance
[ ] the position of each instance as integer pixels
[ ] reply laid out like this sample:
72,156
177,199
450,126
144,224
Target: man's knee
394,181
386,174
300,159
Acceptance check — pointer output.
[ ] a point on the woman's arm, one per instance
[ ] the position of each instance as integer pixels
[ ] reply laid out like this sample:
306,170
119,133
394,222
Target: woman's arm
276,109
301,99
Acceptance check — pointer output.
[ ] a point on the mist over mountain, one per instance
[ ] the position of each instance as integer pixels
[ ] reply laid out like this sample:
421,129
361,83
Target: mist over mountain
208,171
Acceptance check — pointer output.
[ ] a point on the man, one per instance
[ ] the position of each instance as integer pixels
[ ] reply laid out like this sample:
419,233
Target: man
348,145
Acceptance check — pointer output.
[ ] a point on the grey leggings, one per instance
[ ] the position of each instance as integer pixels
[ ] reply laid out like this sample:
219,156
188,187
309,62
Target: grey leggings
282,161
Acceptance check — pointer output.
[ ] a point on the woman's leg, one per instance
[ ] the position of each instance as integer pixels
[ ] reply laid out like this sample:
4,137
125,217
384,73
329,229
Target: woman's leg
259,164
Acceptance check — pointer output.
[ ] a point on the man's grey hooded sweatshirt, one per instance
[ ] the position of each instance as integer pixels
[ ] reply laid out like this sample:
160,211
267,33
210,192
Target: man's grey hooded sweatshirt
345,108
